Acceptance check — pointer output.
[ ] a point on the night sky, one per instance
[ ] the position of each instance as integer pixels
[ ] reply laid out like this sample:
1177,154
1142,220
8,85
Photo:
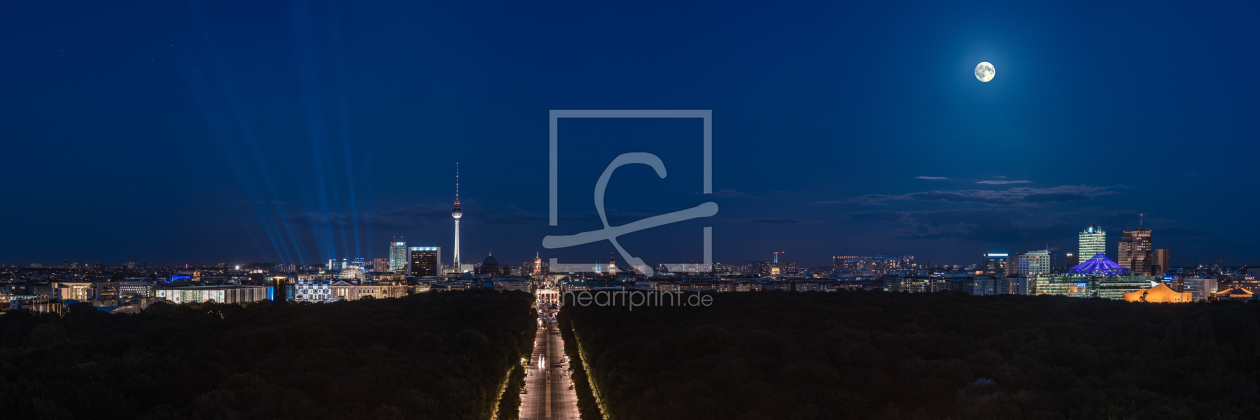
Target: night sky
200,132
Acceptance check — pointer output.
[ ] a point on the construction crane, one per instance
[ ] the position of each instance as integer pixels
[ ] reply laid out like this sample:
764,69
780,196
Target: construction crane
1220,268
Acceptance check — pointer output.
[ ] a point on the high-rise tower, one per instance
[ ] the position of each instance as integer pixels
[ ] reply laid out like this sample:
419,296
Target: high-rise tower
456,214
1093,242
1135,251
397,257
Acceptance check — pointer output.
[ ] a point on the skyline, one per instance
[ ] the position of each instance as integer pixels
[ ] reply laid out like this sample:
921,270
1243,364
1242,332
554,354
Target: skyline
192,133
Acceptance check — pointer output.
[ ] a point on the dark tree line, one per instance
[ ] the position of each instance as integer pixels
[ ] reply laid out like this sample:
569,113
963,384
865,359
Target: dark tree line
587,406
874,355
425,356
510,402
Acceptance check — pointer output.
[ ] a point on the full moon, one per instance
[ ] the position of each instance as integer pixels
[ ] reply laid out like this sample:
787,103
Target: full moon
985,71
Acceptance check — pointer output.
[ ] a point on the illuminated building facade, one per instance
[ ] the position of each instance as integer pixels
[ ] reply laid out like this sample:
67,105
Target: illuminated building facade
539,270
1199,289
397,257
879,264
1093,241
425,261
1100,277
994,263
1032,263
312,289
1135,251
218,294
1161,293
352,274
343,290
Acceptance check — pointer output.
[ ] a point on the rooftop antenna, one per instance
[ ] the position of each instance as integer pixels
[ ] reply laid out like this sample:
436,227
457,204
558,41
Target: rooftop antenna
1140,217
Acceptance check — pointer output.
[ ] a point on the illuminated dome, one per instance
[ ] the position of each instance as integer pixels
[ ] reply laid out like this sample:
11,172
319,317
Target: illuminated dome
1100,265
351,273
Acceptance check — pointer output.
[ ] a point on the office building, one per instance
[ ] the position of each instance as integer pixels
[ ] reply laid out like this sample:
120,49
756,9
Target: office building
877,264
425,261
1032,263
1199,289
218,294
758,268
1160,261
1093,241
398,257
789,267
1135,251
380,265
989,285
994,263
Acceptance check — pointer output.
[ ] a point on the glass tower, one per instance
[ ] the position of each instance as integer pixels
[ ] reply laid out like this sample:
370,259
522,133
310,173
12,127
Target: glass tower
397,256
1093,242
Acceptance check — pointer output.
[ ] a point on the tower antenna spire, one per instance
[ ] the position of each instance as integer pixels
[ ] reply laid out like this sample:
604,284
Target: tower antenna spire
456,213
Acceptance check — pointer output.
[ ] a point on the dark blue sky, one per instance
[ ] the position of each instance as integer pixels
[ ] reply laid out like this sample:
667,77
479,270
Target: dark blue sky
267,131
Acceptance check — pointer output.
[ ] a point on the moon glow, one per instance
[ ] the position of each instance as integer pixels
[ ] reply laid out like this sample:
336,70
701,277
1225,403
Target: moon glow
985,71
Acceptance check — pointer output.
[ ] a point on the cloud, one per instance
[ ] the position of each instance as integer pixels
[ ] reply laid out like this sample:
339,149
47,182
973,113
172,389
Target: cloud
774,220
1014,225
931,177
1002,182
992,225
1022,196
882,215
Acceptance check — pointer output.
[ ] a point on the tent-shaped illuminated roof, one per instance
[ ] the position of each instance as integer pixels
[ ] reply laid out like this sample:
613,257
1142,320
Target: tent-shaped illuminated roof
1100,265
1235,293
1159,293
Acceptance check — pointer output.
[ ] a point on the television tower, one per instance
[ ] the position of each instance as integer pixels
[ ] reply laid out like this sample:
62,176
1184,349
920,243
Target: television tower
456,214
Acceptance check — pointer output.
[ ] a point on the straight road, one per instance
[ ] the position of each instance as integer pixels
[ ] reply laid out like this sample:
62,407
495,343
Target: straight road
549,395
